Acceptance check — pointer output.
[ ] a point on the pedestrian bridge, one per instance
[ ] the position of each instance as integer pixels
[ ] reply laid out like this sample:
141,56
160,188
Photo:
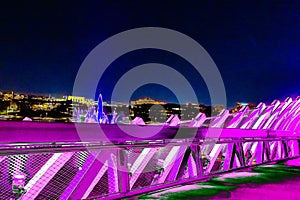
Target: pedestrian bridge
90,161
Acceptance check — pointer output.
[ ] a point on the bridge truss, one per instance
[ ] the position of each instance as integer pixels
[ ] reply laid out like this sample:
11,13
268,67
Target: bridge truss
58,164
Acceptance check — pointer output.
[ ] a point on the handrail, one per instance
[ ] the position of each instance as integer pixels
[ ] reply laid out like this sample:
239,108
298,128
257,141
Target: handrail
32,132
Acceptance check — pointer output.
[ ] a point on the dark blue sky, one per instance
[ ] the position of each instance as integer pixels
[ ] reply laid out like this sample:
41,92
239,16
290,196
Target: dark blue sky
256,45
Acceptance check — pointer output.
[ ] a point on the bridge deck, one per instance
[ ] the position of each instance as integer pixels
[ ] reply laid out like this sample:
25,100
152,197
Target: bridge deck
41,132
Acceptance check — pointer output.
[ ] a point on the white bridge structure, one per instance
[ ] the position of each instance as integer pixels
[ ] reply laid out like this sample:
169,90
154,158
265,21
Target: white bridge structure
94,161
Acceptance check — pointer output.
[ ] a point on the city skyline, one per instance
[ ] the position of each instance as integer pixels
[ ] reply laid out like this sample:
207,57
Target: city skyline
140,100
254,45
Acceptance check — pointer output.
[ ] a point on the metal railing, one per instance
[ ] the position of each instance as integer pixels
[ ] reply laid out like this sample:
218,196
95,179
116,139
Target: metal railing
70,169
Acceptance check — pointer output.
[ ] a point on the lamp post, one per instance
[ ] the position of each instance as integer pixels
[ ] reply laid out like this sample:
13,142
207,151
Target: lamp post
18,185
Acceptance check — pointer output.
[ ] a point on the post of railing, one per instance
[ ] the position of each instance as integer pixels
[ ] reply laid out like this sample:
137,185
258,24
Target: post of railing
196,151
297,148
123,173
241,153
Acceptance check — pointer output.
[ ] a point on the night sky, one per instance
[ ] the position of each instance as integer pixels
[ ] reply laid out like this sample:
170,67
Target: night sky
256,46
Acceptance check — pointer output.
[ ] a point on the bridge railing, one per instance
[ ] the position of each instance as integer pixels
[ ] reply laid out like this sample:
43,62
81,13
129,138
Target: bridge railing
58,164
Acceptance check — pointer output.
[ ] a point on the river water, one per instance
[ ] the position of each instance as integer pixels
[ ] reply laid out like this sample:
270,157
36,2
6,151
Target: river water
279,181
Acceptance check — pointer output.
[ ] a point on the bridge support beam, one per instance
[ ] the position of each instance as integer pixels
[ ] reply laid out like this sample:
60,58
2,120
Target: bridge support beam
45,174
92,175
234,156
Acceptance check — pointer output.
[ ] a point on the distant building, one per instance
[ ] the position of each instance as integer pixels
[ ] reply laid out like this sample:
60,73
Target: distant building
8,96
76,99
239,105
147,100
12,108
152,111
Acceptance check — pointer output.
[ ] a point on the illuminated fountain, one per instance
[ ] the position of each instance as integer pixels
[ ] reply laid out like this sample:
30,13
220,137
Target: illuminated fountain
98,116
100,113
